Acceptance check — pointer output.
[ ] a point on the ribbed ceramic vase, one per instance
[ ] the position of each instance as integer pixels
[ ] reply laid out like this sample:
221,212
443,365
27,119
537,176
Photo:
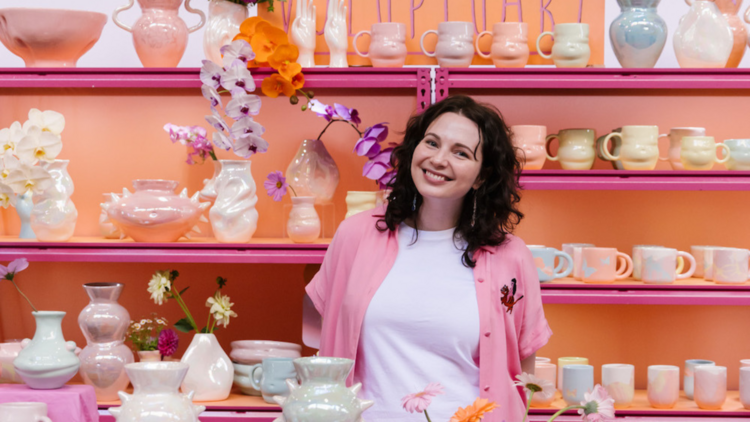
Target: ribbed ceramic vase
104,323
47,361
313,172
24,205
703,38
638,34
233,216
211,373
224,19
54,215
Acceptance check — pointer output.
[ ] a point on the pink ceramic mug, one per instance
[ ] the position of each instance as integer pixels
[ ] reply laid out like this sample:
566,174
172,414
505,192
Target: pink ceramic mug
530,139
730,265
455,46
599,265
675,143
387,44
510,44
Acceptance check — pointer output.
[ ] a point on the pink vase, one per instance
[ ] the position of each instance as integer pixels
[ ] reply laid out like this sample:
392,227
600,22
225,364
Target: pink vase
730,8
160,35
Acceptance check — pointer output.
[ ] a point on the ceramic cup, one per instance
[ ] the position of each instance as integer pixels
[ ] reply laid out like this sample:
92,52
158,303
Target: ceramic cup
565,361
455,46
698,253
637,256
699,152
710,386
619,380
730,265
639,147
599,265
270,377
571,45
660,265
510,44
24,412
529,141
546,371
387,44
688,379
744,363
576,150
745,386
708,262
675,144
542,360
544,259
663,386
574,250
616,143
577,381
739,157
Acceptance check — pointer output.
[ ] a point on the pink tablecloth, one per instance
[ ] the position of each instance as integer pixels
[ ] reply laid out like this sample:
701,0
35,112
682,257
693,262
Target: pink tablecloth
72,403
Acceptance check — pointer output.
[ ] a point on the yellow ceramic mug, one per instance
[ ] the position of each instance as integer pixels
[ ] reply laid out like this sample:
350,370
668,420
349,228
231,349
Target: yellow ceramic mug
699,152
561,362
639,150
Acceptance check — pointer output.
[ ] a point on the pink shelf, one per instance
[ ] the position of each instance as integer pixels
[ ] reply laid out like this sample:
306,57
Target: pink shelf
635,180
677,296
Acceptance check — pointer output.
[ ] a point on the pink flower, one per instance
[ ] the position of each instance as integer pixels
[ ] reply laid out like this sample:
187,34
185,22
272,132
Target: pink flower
346,113
598,406
418,402
369,144
168,342
377,167
276,185
321,109
16,266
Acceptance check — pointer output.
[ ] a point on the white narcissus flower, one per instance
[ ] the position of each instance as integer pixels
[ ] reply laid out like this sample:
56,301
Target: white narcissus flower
221,309
158,286
38,145
9,137
48,121
533,384
7,196
26,178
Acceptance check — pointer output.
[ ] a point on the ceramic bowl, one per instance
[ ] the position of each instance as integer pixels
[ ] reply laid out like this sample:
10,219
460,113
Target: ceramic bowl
50,37
250,352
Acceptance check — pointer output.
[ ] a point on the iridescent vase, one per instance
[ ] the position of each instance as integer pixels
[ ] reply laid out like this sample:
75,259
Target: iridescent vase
638,34
313,172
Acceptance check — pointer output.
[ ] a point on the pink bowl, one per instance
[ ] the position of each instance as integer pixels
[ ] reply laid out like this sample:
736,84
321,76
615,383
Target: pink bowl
250,352
50,37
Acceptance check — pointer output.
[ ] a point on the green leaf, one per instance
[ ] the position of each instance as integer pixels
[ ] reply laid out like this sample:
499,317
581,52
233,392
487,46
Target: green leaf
204,330
221,281
183,325
184,290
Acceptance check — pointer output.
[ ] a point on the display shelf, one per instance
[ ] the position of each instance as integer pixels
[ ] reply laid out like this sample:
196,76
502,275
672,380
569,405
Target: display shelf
657,180
236,401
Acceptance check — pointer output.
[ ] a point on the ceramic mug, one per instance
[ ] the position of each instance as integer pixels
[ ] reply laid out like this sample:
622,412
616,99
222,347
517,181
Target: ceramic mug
739,156
660,265
565,361
745,386
571,45
616,145
699,152
637,256
698,253
663,386
24,412
730,265
530,141
544,259
708,262
710,386
455,46
574,250
619,381
744,363
577,381
546,371
688,379
539,359
600,265
387,44
639,150
270,377
576,150
510,44
675,144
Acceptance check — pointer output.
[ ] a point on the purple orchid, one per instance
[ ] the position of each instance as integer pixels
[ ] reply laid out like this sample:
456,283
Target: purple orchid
243,105
348,114
211,95
250,144
385,180
221,141
369,144
211,74
177,133
276,185
322,110
9,273
168,342
377,167
237,79
237,50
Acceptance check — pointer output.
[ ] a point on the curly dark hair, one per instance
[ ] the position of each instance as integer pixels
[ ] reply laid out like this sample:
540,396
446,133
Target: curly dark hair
496,199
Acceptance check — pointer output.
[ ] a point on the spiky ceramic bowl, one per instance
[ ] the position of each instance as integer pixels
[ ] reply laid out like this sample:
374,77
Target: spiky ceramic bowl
154,213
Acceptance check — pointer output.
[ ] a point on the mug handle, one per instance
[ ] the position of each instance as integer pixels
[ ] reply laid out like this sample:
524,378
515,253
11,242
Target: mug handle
476,44
421,43
538,49
621,257
727,153
680,264
657,140
605,146
564,257
692,267
256,382
122,9
354,43
546,146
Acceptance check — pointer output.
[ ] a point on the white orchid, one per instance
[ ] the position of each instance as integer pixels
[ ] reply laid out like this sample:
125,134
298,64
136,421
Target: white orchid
48,121
7,196
7,164
237,79
222,141
243,105
211,74
221,308
9,137
26,178
237,50
211,95
38,145
248,145
158,286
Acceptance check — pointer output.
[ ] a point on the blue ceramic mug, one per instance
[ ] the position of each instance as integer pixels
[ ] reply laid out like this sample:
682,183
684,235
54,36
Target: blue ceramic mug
270,377
577,381
544,259
739,157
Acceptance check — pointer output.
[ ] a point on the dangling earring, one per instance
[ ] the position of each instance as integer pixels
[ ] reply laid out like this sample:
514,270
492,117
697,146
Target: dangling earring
414,203
474,214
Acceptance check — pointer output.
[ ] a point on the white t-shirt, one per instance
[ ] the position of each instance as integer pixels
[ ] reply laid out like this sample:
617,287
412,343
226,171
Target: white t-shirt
421,326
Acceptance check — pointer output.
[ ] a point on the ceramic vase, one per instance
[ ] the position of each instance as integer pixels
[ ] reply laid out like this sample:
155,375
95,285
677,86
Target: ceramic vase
730,8
24,205
54,215
211,373
638,34
107,228
303,225
358,201
149,356
322,395
155,395
160,35
233,216
313,172
47,361
703,38
224,19
208,193
104,323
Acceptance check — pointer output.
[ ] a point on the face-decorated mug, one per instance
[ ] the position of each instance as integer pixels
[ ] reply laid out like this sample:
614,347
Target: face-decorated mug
571,45
387,44
639,150
675,144
530,141
270,377
660,265
600,265
576,150
699,152
739,156
510,44
455,46
544,259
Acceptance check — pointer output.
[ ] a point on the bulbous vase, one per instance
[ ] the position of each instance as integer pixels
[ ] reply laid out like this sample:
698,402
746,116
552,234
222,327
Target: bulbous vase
54,215
638,34
303,225
313,172
211,373
703,38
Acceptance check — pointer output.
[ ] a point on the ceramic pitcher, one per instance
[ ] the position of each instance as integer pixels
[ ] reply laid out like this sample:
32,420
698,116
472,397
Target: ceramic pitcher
54,215
160,35
638,34
730,8
224,20
703,37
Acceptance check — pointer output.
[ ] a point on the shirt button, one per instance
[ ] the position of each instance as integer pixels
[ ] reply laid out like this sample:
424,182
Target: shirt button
487,334
481,280
486,388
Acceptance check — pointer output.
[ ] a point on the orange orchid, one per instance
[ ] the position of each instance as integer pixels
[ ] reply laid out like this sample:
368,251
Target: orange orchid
241,36
298,81
249,26
284,59
276,84
474,412
266,40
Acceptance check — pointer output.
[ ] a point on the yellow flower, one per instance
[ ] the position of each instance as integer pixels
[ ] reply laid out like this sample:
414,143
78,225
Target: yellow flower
221,309
474,412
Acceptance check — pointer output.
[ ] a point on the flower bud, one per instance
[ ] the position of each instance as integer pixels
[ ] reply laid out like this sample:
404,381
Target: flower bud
293,99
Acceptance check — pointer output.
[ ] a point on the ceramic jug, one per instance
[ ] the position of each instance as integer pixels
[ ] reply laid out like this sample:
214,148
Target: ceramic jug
160,35
703,38
638,34
224,20
303,225
233,216
730,8
54,215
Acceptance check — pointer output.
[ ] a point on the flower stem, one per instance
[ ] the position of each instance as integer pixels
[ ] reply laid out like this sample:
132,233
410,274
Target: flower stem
182,304
293,191
528,406
563,410
24,296
427,416
212,154
338,120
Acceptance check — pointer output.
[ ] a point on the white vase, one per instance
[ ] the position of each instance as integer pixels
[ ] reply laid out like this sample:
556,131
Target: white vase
208,193
24,205
303,225
703,38
358,201
211,372
224,19
54,215
47,361
155,395
149,356
233,216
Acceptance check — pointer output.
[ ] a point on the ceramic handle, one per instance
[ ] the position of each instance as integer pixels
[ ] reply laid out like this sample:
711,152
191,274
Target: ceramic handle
256,382
421,43
476,44
117,12
689,2
628,267
680,264
539,49
197,12
605,146
354,43
660,157
564,258
546,146
747,15
727,153
692,267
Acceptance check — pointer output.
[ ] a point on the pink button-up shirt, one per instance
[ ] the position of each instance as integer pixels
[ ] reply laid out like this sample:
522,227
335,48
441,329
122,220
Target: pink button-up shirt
360,257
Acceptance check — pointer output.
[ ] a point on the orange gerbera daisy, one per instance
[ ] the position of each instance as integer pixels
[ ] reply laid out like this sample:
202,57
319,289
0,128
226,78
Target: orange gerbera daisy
266,40
474,412
284,59
275,84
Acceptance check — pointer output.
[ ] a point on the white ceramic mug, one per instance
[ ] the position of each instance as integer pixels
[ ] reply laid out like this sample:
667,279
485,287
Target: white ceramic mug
675,144
698,252
455,46
619,381
663,386
688,379
710,386
565,361
24,412
660,265
510,44
387,44
637,256
708,262
699,152
739,158
730,265
745,386
571,46
546,371
639,147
